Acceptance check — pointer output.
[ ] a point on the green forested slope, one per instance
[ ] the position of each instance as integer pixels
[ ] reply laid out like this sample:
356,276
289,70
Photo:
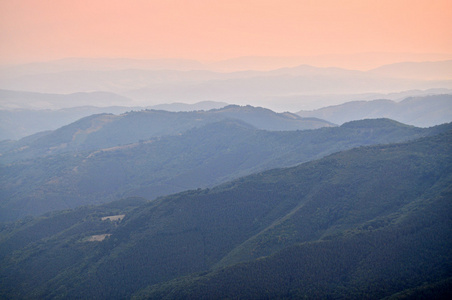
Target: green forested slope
365,223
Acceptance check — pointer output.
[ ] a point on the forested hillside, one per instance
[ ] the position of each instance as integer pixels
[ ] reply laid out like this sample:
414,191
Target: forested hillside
201,157
108,130
370,222
22,120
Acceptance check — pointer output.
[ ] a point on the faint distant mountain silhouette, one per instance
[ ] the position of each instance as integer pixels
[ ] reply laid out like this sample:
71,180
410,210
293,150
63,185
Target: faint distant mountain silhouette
419,111
437,70
156,82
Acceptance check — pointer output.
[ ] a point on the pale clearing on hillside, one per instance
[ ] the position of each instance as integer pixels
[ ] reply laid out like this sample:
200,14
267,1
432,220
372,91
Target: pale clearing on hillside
113,218
97,238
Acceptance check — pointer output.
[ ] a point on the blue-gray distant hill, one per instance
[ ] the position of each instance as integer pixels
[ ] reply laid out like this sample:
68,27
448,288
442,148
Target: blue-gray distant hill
13,99
26,113
108,130
422,111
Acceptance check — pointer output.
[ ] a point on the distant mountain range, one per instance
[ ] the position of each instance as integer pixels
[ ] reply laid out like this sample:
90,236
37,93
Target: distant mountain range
175,107
150,86
418,111
21,122
108,130
98,64
11,100
419,70
371,222
426,110
357,61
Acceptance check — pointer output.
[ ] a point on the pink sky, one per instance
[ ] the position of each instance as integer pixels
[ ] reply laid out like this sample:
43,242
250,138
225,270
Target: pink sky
37,30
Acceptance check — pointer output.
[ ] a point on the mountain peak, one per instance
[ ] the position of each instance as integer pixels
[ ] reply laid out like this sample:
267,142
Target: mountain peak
374,123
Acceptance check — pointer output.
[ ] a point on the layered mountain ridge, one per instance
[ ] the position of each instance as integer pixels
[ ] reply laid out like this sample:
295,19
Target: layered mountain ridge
418,111
201,157
370,222
108,130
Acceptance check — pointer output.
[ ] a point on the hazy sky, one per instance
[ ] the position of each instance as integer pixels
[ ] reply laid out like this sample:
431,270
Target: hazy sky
36,30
